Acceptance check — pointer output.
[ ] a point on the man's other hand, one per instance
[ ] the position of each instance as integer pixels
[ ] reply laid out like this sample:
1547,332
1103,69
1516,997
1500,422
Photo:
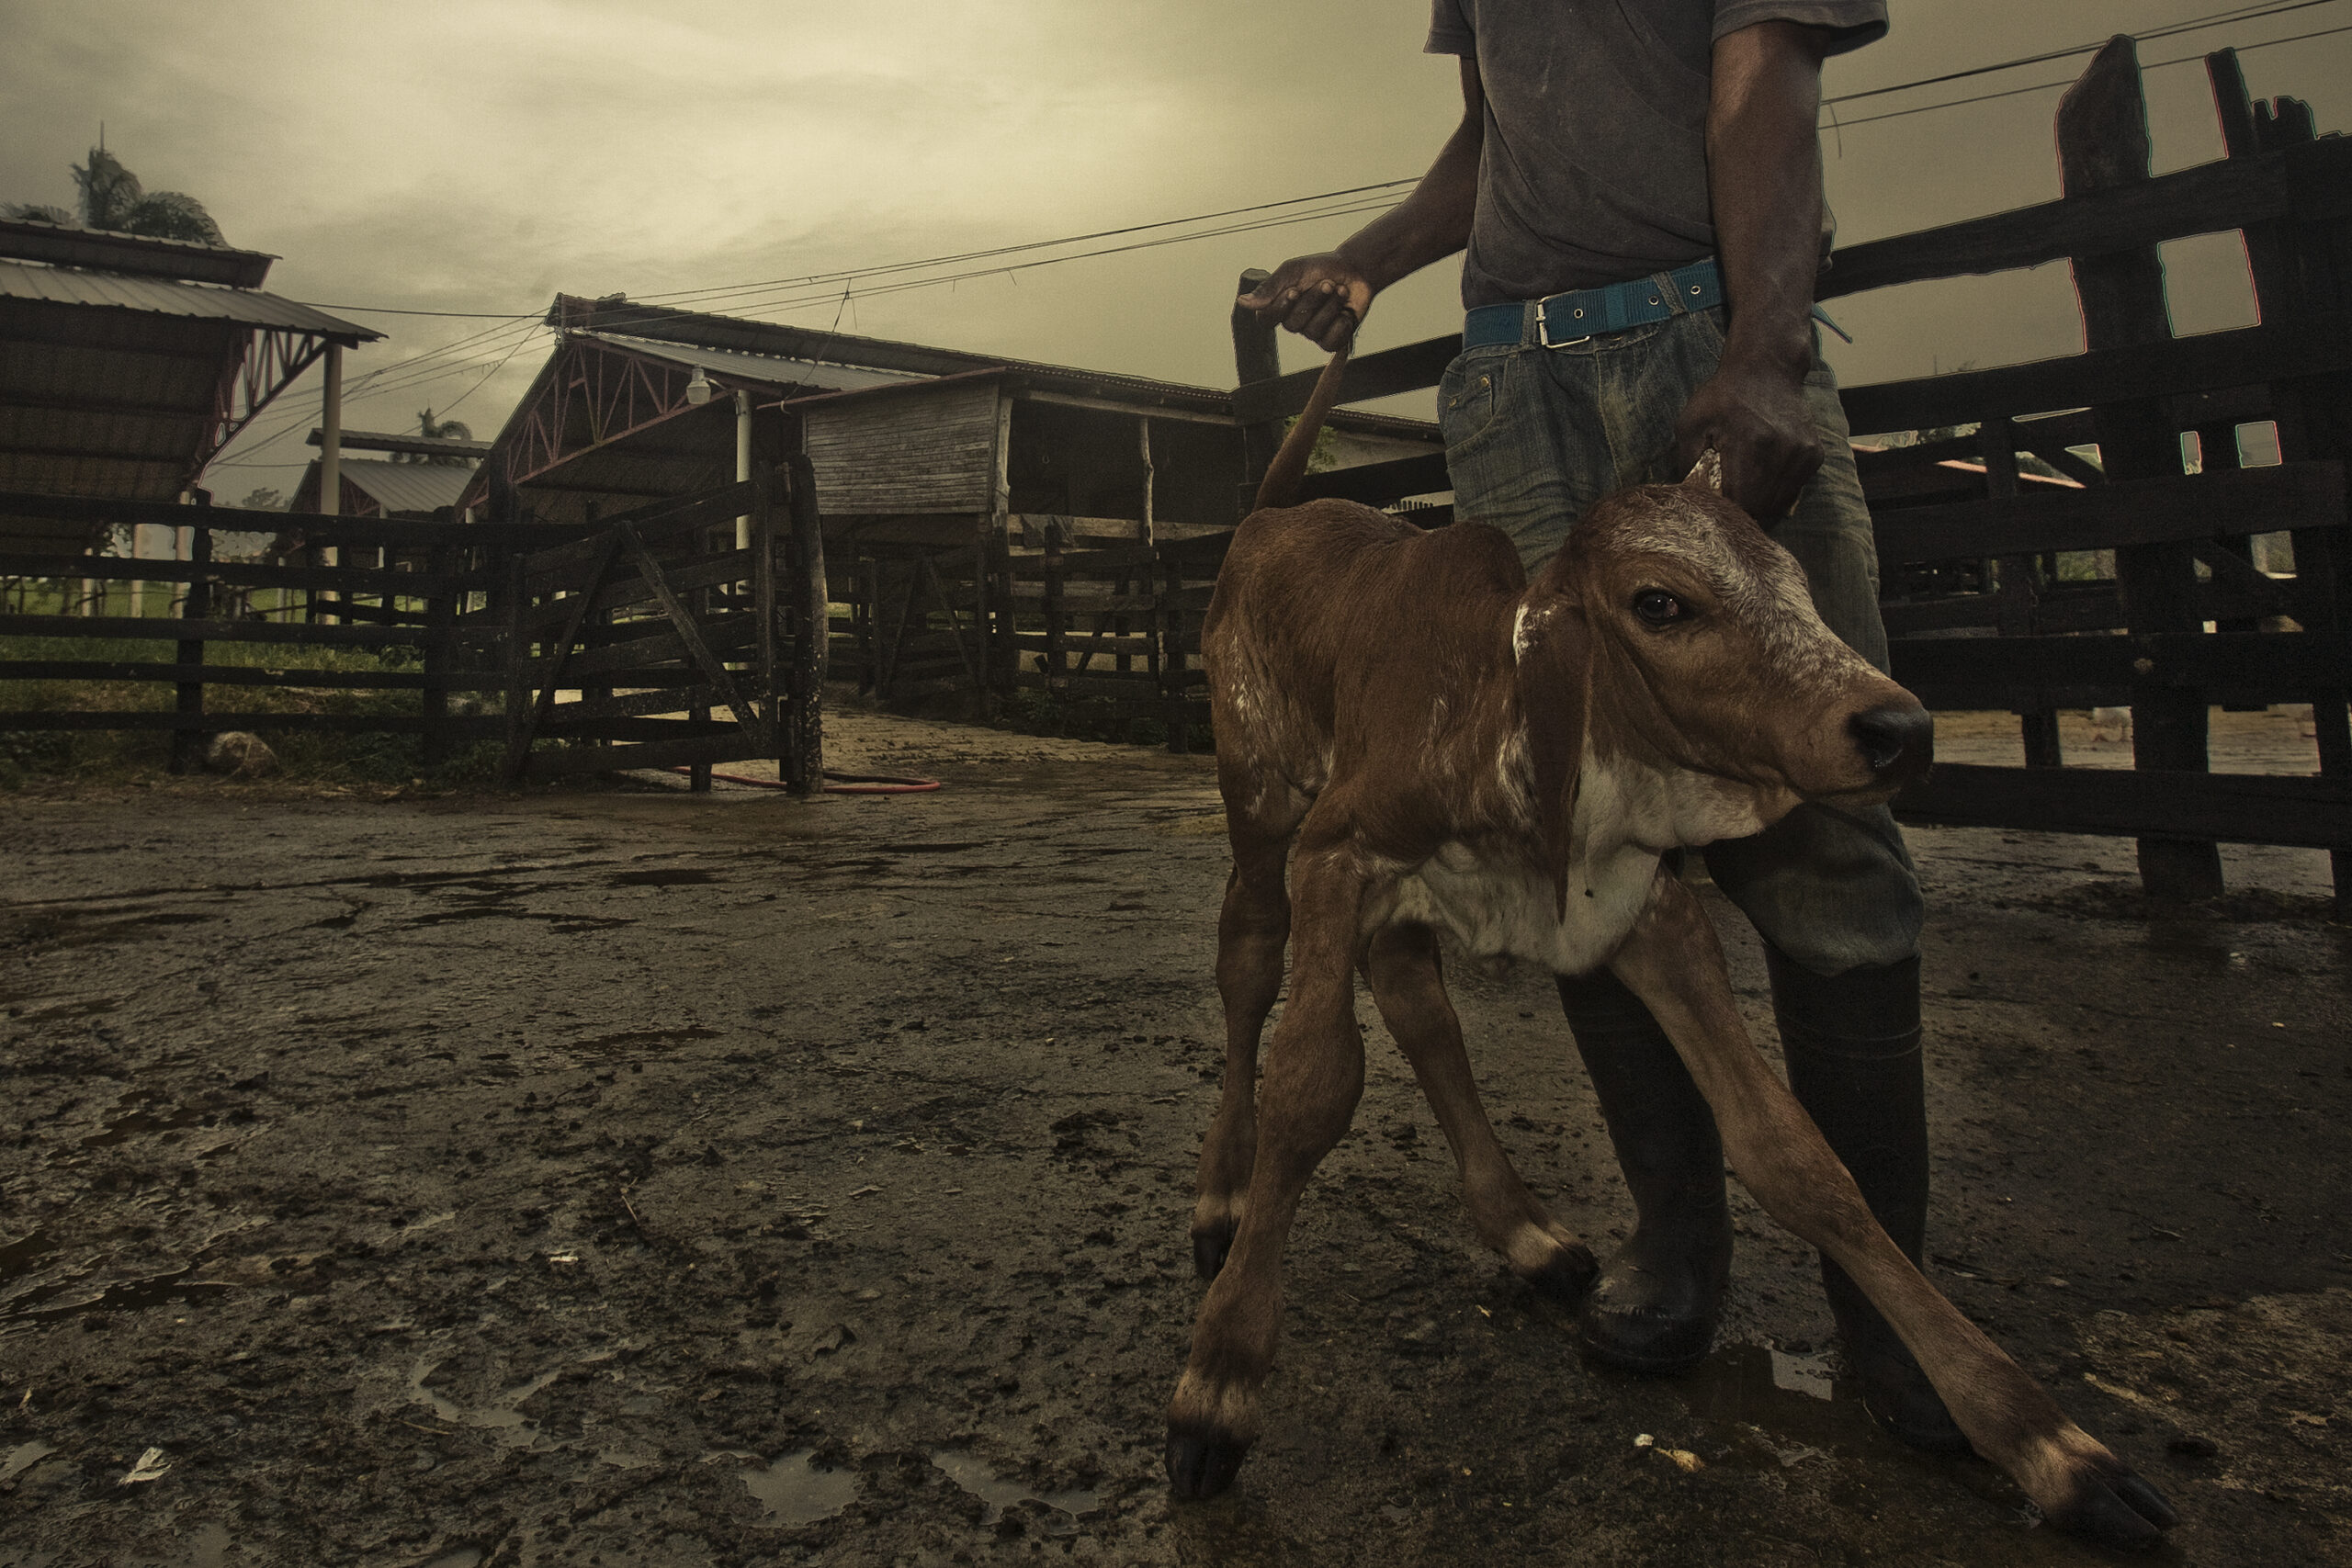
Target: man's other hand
1755,416
1321,297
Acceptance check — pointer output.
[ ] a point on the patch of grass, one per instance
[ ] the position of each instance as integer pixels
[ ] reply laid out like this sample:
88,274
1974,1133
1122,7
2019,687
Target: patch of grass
355,758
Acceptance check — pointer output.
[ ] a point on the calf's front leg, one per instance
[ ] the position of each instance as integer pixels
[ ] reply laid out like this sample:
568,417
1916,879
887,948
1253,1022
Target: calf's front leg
1675,964
1314,1076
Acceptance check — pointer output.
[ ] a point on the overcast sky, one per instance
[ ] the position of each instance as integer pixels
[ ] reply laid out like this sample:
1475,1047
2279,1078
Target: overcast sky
483,155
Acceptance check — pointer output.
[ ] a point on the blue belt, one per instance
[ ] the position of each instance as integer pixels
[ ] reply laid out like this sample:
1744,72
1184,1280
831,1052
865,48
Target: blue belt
1561,320
1580,313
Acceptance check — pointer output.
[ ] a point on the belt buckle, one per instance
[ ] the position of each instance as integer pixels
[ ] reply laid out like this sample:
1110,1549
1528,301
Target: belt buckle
1543,324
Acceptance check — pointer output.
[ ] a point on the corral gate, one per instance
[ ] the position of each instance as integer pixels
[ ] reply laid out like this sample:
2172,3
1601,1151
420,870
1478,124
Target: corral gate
678,634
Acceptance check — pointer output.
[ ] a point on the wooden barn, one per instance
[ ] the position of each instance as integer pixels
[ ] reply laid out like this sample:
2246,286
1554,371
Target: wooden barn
941,476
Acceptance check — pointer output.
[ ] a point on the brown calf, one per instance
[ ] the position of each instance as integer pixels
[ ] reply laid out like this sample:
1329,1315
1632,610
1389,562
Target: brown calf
1427,740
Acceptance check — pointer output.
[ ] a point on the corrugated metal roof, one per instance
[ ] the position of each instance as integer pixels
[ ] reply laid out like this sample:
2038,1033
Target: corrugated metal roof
397,487
165,297
773,370
408,487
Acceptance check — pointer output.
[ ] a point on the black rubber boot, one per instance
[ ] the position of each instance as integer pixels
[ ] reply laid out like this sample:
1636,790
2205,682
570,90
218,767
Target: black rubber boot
1852,1045
1656,1306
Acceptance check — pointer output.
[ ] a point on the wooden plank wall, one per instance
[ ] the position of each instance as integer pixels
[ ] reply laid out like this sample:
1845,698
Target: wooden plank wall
929,449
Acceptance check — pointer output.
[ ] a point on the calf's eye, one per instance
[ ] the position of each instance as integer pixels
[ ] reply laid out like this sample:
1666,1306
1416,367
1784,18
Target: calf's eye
1658,607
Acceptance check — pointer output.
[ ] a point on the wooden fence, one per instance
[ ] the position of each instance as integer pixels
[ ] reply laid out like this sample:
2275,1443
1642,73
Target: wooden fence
1072,608
1969,555
618,638
629,642
352,584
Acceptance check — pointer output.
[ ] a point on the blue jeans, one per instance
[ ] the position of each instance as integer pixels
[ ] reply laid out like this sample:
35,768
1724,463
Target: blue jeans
1534,436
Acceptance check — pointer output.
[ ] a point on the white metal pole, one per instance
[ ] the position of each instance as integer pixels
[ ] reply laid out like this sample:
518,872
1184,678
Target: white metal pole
742,463
331,449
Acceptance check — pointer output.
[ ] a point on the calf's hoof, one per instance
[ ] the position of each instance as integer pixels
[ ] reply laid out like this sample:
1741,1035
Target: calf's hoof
1210,1248
1568,1276
1202,1462
2109,1504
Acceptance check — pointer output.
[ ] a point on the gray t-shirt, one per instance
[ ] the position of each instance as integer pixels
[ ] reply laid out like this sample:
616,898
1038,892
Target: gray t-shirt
1595,166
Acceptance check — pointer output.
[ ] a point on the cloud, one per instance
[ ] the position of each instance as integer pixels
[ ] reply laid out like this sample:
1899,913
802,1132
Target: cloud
479,154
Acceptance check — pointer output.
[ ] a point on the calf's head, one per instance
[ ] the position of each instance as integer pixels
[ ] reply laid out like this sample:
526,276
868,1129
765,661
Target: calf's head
1673,639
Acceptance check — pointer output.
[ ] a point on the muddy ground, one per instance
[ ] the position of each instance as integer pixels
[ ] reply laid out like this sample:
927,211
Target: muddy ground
639,1179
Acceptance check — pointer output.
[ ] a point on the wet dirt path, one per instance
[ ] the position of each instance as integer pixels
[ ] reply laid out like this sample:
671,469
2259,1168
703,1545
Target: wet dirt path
636,1179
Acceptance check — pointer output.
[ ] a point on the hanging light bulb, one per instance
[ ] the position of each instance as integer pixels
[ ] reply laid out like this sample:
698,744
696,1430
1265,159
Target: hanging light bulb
698,388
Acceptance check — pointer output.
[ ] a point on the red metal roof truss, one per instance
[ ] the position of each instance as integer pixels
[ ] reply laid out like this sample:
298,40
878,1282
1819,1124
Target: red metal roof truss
609,394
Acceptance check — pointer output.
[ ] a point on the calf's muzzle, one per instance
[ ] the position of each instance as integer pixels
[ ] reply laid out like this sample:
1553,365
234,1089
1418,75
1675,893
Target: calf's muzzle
1899,743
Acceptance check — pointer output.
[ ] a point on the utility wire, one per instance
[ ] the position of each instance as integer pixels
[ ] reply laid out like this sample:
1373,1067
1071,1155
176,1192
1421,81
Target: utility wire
2046,86
2218,19
839,287
754,295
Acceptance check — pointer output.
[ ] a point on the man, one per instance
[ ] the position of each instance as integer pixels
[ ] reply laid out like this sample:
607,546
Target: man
1639,187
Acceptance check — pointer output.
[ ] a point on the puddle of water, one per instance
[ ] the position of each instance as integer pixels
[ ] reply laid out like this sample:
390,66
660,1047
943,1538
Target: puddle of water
79,1006
22,1457
975,1475
123,1128
502,1418
23,1255
673,876
797,1492
123,1295
641,1039
1802,1374
1785,1400
207,1547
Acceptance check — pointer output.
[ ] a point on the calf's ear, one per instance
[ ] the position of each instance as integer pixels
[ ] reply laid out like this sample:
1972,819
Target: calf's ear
1554,647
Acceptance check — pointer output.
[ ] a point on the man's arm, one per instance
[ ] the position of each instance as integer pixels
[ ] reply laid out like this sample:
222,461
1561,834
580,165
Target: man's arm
1322,297
1764,182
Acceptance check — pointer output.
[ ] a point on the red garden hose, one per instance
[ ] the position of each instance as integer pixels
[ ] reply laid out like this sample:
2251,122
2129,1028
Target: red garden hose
845,784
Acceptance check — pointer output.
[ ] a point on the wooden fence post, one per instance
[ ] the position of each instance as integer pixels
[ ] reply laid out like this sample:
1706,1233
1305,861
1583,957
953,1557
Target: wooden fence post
2020,587
1257,357
187,744
441,627
519,690
1056,620
2102,143
813,654
2296,273
1176,709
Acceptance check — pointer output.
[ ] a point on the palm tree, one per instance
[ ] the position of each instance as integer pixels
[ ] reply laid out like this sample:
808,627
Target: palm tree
112,198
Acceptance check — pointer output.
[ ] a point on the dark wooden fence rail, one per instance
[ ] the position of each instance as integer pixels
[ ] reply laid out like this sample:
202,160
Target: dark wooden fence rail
1970,546
421,576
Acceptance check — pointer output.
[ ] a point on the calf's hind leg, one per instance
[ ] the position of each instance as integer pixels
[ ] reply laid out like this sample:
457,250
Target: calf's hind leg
1314,1076
1251,931
1408,982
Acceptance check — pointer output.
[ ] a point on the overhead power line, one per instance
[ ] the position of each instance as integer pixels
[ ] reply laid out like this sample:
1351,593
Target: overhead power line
2215,19
2068,82
497,345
